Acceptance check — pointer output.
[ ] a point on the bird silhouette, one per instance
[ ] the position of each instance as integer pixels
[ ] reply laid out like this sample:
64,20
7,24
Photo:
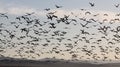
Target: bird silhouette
52,25
91,4
16,26
47,9
116,5
3,15
28,14
87,13
84,32
118,28
19,18
84,25
58,6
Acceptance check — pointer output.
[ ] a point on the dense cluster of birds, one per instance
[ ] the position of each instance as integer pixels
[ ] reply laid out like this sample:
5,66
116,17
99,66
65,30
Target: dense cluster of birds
77,37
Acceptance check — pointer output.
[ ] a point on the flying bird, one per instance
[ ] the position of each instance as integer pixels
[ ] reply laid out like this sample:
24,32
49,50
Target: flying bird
92,4
3,15
47,9
58,6
28,14
87,13
116,5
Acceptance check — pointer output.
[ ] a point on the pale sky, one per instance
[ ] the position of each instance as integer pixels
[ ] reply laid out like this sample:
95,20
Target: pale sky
107,5
100,4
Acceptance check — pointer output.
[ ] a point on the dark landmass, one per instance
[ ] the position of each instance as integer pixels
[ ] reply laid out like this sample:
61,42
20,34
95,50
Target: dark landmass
12,62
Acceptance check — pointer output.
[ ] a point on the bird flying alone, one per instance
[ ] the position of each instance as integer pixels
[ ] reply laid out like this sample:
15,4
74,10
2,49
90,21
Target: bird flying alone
116,5
58,6
47,9
92,4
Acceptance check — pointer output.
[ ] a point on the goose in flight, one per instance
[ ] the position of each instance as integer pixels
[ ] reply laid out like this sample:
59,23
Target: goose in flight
116,5
92,4
47,9
58,6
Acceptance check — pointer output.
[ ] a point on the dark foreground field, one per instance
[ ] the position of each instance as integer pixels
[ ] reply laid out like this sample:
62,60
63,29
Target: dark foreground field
48,63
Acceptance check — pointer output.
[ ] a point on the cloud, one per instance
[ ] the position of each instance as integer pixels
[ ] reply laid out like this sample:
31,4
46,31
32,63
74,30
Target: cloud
13,9
19,11
23,10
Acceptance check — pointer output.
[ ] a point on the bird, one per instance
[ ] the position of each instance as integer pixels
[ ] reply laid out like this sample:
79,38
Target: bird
104,29
49,17
52,25
37,22
3,15
54,16
12,36
87,13
47,9
111,43
96,15
116,57
24,30
116,5
118,28
84,32
105,14
83,9
74,56
28,14
92,4
84,25
118,14
18,18
58,6
51,13
16,26
112,21
116,36
105,20
66,17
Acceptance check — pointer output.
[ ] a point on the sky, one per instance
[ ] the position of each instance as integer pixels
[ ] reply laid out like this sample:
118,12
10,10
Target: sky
107,5
20,7
66,3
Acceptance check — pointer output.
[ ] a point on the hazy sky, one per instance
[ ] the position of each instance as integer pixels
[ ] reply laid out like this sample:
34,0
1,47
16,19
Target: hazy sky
71,4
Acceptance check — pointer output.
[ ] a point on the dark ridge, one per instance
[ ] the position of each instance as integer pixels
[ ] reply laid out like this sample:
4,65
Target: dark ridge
47,62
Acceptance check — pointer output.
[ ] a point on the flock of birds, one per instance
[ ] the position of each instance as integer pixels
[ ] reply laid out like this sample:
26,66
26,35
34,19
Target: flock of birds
77,37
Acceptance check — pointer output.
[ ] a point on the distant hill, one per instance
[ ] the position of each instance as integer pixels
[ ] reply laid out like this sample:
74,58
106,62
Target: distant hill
47,62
